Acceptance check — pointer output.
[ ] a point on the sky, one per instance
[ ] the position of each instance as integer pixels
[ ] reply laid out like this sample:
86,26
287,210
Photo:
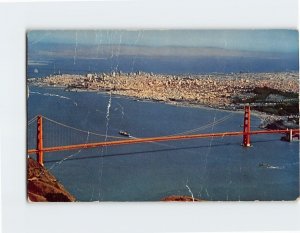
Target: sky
277,41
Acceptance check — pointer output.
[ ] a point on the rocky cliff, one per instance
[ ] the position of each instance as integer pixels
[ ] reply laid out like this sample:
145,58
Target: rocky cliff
42,186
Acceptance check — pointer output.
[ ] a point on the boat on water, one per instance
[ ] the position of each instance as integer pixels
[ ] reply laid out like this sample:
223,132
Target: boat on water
264,165
124,133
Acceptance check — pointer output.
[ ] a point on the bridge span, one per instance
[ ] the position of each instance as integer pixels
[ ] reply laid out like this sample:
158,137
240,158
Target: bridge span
246,133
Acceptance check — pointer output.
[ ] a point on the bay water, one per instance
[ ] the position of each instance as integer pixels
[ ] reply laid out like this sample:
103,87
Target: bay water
216,169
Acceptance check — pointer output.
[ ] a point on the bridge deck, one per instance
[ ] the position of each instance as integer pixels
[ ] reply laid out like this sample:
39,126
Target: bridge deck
157,139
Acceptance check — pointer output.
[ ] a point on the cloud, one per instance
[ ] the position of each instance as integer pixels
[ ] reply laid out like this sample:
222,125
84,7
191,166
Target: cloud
245,40
50,51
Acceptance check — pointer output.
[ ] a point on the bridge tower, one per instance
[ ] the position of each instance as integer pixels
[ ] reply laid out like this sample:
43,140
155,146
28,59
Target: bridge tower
40,146
246,135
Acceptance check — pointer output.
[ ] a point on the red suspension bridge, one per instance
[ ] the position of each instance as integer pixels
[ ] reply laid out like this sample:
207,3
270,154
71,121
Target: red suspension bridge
246,133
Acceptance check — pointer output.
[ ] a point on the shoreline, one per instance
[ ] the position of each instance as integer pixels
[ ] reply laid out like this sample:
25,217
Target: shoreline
267,93
261,115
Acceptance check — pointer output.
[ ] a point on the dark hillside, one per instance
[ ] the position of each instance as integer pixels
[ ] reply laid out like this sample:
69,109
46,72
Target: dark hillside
42,186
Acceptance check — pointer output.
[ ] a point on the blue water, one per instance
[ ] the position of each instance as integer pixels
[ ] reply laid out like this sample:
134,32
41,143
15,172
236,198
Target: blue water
213,169
162,65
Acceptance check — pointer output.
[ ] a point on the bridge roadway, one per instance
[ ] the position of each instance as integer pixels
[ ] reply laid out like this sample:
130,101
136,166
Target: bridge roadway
157,139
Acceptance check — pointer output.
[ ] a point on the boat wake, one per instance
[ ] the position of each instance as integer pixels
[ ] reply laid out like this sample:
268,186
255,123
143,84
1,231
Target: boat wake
275,167
52,95
268,166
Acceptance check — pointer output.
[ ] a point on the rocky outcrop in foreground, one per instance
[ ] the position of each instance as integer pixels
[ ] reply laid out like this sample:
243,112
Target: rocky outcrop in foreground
42,186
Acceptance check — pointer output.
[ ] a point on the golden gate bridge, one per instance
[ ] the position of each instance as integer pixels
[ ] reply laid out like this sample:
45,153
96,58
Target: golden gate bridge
40,148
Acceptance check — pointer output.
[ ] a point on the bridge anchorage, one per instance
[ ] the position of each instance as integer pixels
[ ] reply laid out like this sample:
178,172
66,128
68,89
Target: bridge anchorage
246,133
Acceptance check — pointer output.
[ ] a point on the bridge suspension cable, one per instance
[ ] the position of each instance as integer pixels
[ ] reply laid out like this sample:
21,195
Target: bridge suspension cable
211,124
57,164
156,139
80,130
214,123
110,136
32,120
132,137
41,148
